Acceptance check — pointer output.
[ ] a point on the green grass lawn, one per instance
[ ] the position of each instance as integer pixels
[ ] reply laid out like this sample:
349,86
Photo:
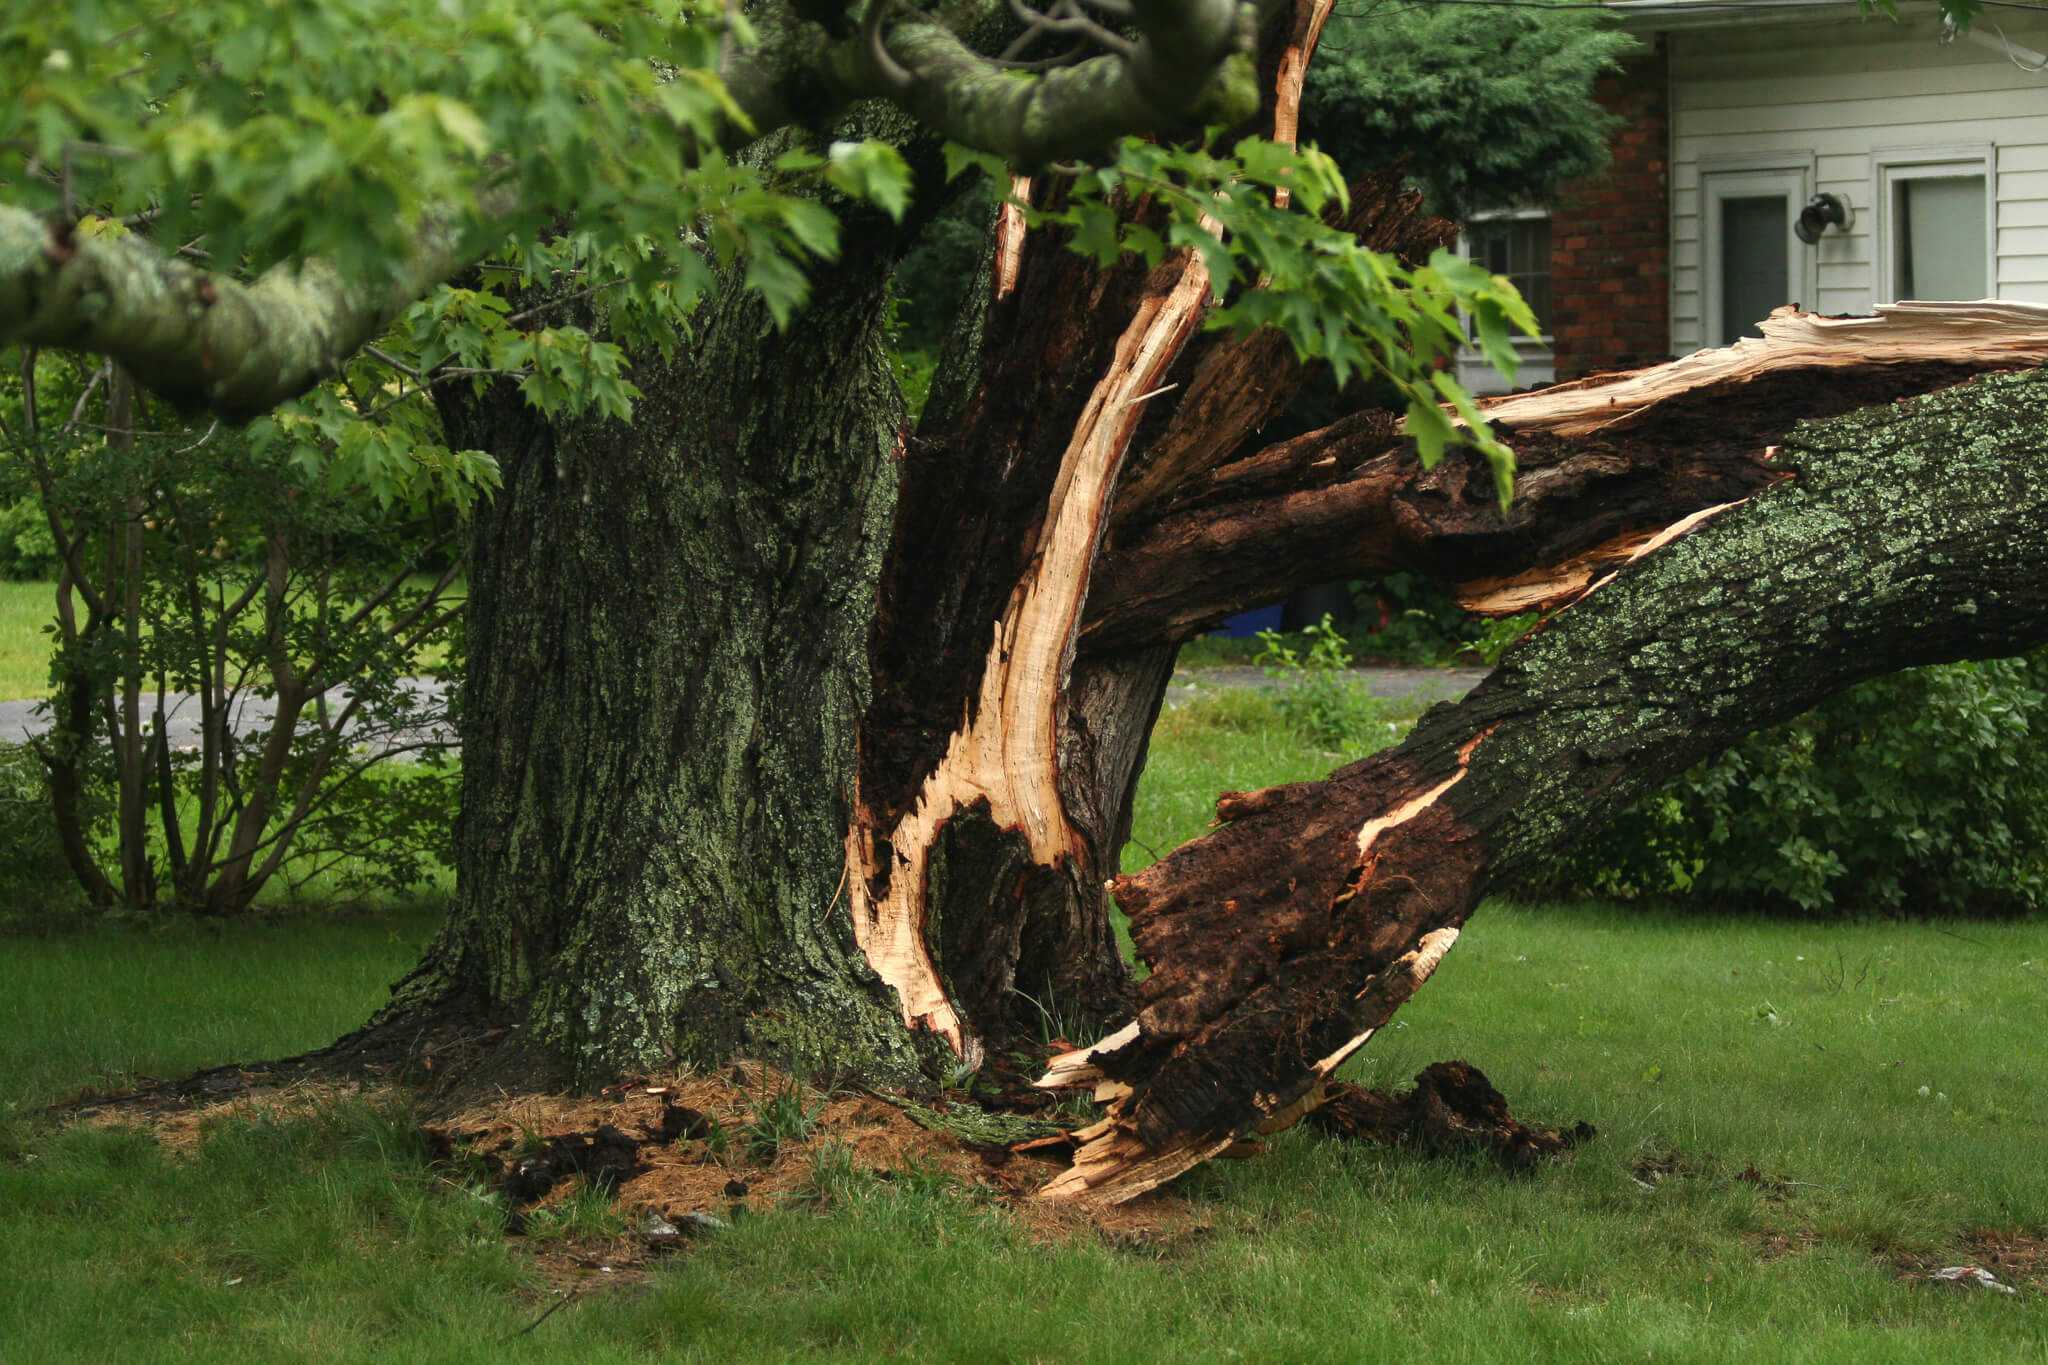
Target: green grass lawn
25,608
1789,1113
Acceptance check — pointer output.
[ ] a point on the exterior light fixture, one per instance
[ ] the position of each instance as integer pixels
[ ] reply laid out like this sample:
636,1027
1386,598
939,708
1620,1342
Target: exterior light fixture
1820,212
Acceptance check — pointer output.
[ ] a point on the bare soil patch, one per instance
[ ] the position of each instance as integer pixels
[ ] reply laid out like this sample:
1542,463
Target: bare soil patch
674,1158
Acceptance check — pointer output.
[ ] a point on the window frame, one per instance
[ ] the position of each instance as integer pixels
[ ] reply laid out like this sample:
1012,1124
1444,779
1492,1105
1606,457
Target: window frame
1891,165
1525,215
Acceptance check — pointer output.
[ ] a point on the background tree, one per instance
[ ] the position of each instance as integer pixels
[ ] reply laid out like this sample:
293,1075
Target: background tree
1483,107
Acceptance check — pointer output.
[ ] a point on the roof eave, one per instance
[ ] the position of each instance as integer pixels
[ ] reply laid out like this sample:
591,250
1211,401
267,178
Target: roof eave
1668,16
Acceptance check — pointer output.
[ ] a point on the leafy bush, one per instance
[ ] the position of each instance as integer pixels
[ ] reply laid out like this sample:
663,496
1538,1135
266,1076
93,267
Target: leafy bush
27,549
34,879
1322,700
1922,793
274,586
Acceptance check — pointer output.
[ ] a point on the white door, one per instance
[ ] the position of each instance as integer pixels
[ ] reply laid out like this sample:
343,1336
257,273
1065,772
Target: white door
1754,263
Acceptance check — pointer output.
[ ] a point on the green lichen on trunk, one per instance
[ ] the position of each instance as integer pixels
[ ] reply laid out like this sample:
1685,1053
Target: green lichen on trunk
1911,534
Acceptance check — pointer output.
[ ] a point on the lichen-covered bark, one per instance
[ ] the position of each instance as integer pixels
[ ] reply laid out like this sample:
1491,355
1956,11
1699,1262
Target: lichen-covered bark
667,634
205,342
1907,534
210,343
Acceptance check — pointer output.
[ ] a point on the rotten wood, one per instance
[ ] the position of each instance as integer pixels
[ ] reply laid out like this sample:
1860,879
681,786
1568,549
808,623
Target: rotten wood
1452,1110
1908,534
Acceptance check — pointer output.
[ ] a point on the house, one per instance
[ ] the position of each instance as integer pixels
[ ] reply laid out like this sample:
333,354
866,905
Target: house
1918,155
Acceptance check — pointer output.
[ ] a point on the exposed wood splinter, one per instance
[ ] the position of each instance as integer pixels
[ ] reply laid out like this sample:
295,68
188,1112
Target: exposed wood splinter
1003,758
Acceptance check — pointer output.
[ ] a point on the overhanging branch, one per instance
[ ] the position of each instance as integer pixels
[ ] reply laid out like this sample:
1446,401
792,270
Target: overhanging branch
204,341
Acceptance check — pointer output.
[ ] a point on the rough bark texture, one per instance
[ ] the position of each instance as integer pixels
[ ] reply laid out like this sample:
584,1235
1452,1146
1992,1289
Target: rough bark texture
667,630
1602,464
996,769
1906,534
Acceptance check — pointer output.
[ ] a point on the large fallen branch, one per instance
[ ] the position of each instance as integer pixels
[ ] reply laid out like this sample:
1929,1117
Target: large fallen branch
1905,534
1604,464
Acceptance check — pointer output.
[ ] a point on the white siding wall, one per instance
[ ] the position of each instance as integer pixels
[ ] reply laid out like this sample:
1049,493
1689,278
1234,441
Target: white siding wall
1839,90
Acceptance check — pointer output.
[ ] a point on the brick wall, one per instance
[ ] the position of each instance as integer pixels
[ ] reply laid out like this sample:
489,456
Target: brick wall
1610,238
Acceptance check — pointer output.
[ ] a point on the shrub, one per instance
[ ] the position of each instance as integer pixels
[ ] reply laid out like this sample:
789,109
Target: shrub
1922,793
269,565
1322,700
34,878
27,549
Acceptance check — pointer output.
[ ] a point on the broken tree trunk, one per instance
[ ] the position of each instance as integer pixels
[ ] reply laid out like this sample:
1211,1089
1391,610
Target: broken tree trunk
1895,536
996,771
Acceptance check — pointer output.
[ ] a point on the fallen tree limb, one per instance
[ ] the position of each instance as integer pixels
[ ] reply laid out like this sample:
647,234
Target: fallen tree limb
1453,1110
1604,463
1907,534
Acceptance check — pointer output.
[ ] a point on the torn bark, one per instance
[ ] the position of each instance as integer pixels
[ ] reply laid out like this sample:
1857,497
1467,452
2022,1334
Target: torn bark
995,777
1603,464
1905,534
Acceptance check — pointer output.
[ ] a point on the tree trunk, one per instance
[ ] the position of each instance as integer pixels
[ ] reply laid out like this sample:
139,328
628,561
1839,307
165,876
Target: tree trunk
1899,536
667,636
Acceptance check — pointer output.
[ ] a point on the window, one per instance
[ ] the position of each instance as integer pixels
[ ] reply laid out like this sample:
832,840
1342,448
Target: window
1935,219
1514,243
1753,262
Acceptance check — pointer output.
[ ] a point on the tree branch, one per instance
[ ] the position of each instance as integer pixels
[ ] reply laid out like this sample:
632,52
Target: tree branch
202,340
1280,943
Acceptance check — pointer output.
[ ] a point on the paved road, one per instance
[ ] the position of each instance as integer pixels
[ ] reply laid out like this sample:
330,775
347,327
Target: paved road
18,719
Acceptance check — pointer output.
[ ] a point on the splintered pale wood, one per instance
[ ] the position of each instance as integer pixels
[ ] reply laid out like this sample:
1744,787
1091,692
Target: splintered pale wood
1308,31
1549,587
1001,754
1908,533
1003,758
1987,334
1010,229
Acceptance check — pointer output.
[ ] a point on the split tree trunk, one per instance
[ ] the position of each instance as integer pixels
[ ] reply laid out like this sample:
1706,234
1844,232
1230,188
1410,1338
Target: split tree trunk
997,769
1894,537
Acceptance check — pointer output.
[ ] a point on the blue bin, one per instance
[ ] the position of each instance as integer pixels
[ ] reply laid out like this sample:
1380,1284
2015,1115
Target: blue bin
1246,624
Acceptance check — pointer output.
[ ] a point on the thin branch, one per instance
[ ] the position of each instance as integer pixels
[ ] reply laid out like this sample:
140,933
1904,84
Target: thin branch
77,145
525,313
78,409
892,76
379,353
211,428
